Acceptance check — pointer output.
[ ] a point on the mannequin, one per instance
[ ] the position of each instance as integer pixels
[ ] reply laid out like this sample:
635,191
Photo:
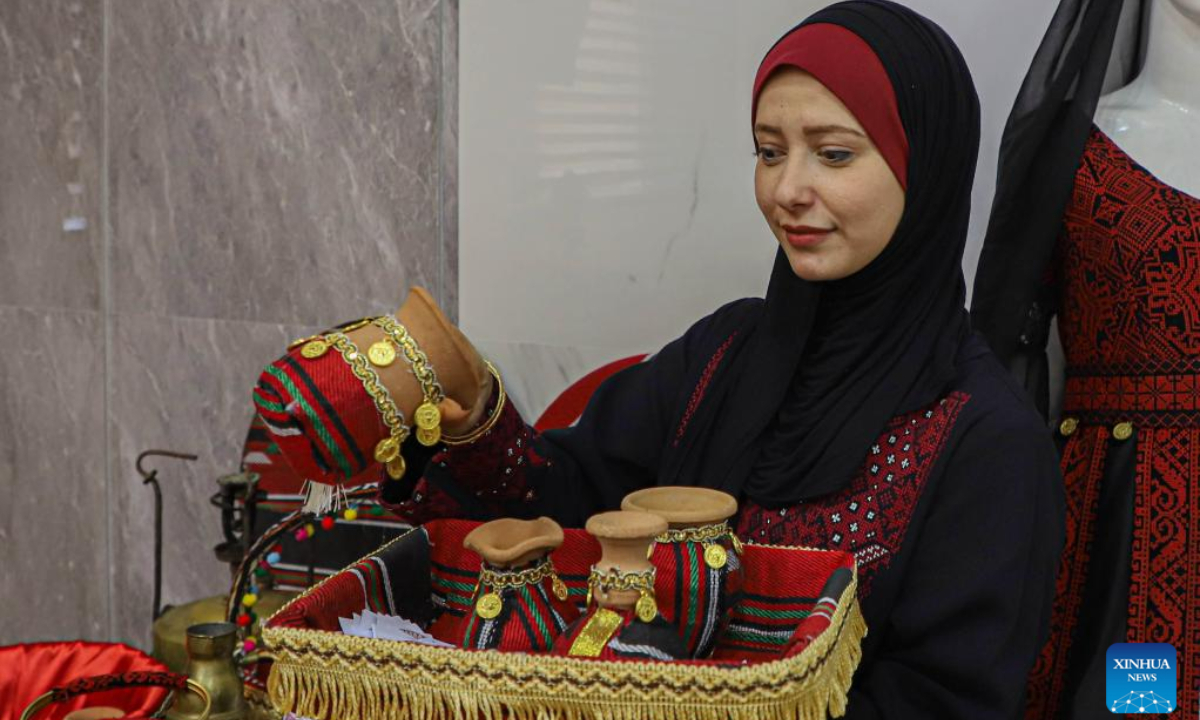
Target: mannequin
1156,117
1099,227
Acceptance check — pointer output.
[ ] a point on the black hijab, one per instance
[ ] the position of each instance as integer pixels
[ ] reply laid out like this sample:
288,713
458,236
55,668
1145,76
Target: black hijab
816,379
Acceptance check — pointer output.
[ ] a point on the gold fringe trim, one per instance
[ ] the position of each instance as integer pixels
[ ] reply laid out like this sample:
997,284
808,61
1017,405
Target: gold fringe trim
328,676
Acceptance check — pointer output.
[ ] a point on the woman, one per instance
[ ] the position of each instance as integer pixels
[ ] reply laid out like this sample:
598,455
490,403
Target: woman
852,408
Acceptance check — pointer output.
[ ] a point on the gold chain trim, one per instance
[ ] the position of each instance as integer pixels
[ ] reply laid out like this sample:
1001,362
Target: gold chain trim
387,451
614,579
428,416
704,533
343,328
492,419
416,357
494,578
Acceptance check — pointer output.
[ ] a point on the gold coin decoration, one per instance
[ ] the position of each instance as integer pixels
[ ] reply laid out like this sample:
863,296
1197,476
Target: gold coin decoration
560,588
488,606
314,349
428,416
396,467
646,608
715,557
387,450
1068,427
429,438
381,353
1123,431
737,544
302,340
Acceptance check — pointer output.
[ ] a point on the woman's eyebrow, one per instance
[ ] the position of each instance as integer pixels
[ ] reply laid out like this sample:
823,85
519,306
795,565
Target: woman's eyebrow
830,129
764,128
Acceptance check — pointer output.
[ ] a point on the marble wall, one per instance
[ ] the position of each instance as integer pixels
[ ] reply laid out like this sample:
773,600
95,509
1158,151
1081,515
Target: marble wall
184,188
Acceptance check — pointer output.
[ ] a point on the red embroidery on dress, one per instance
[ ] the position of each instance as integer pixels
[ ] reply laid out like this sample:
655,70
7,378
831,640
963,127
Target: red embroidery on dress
1129,258
1082,466
870,516
701,388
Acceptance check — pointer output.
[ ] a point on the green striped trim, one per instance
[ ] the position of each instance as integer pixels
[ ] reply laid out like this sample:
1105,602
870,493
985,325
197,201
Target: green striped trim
547,639
268,405
693,582
314,418
773,614
749,636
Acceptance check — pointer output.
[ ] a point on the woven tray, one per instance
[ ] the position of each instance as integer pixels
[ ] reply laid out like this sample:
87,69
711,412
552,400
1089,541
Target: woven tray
424,574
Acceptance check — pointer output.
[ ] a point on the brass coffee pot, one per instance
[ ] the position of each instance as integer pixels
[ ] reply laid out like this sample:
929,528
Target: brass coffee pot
210,664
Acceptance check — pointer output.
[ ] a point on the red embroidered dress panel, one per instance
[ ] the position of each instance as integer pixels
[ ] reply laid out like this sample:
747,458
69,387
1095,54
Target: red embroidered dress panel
1128,271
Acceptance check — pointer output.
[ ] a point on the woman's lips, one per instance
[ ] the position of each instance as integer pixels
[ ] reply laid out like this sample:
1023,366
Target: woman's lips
804,236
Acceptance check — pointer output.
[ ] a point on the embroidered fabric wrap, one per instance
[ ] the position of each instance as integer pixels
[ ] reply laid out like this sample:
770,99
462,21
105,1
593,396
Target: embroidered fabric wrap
317,412
701,595
320,673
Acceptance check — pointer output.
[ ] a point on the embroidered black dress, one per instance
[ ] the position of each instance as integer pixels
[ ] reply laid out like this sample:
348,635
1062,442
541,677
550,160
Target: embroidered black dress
1126,275
955,515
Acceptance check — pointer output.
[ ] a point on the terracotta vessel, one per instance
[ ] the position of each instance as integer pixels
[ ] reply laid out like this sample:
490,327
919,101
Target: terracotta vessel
700,541
459,367
625,539
624,622
518,593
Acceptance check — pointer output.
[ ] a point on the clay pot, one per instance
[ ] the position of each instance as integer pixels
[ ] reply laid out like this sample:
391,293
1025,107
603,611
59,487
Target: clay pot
625,539
683,507
699,540
459,367
509,543
517,581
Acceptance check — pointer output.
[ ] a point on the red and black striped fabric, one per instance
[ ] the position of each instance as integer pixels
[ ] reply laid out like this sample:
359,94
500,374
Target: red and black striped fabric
530,619
320,416
694,597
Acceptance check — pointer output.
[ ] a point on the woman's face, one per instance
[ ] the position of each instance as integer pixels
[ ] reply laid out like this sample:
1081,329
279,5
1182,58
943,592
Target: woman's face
825,190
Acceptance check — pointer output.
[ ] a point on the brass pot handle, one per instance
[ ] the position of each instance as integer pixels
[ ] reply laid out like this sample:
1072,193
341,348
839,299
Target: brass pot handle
105,682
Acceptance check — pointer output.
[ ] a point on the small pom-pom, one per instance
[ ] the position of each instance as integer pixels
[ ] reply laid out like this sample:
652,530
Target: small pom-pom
249,645
261,572
377,510
243,620
249,599
310,529
277,549
272,557
327,522
301,535
350,514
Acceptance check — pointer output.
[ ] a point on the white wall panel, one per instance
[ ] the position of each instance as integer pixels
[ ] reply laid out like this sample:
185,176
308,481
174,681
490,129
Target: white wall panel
606,166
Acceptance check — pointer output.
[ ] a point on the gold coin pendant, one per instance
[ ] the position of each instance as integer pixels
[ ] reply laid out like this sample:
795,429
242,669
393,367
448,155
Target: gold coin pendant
715,557
381,354
1123,431
428,416
314,349
1068,427
646,608
488,606
396,467
387,449
560,588
429,438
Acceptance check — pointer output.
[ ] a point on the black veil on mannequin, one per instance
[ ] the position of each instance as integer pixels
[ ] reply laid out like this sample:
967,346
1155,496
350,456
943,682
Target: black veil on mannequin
1090,48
